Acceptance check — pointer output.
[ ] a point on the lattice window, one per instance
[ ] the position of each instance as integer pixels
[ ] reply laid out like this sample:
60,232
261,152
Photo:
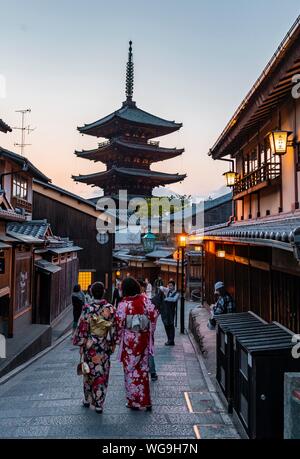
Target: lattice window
84,279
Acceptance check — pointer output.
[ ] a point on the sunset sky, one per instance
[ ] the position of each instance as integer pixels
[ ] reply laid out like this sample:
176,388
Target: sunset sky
194,62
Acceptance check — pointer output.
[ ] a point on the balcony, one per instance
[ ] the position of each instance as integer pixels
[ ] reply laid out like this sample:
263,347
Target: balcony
266,175
21,203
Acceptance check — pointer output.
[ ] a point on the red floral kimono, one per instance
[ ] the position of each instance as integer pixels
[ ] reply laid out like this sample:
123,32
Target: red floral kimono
135,348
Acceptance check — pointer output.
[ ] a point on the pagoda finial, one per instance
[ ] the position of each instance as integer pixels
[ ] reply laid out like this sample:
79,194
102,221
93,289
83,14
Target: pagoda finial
129,75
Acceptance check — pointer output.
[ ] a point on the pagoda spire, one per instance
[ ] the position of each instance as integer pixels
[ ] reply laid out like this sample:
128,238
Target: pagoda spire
129,75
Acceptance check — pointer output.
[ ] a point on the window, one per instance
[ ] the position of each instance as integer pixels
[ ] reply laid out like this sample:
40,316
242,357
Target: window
20,187
84,279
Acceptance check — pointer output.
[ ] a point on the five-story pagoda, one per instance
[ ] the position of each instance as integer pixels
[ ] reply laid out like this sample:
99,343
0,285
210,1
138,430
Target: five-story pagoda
129,150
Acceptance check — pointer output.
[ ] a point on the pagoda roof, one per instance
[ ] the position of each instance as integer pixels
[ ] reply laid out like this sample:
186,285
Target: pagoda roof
152,150
130,114
100,178
4,127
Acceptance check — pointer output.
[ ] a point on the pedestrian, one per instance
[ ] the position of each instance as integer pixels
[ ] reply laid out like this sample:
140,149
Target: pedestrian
168,311
155,301
117,294
224,304
88,295
157,284
136,318
96,336
148,288
78,301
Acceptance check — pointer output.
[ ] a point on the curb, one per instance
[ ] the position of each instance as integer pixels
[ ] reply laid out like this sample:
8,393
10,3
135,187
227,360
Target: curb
22,367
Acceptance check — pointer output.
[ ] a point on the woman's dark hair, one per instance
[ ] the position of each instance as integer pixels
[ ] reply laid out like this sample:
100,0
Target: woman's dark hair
76,288
142,283
97,290
171,282
130,287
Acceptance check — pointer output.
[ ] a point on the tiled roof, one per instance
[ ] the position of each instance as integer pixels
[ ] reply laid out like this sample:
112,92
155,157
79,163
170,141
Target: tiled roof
106,149
282,232
33,228
132,114
4,127
18,159
99,176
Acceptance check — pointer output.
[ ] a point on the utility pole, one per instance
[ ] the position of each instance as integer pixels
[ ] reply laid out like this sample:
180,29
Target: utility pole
23,130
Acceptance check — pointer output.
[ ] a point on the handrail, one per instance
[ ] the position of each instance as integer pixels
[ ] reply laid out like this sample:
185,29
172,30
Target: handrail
267,171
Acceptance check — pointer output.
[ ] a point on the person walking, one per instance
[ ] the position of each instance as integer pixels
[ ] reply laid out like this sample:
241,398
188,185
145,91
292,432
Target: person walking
224,304
157,284
117,294
148,288
156,301
168,310
135,318
88,295
78,301
96,336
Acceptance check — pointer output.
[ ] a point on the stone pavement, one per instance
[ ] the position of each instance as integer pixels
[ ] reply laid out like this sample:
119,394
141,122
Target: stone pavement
44,400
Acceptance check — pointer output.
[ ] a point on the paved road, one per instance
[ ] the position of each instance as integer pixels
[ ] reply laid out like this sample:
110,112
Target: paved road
44,400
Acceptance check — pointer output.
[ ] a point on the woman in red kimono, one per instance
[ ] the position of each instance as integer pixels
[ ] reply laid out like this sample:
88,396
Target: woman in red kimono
135,319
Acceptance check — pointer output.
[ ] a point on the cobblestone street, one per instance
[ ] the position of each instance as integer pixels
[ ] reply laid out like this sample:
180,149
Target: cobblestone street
44,400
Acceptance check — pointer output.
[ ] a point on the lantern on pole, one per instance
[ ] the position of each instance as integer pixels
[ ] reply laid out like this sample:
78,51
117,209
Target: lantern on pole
149,241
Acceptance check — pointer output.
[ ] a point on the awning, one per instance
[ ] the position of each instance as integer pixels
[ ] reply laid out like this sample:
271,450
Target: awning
5,238
160,254
47,267
58,250
24,238
4,246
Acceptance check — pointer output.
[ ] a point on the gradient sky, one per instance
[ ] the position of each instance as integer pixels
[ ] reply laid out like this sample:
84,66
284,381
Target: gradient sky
194,62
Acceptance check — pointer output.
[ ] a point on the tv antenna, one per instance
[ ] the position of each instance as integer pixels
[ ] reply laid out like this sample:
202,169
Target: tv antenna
24,129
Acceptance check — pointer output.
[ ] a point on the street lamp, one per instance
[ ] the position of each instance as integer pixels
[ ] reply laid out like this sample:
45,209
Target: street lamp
149,241
278,140
182,242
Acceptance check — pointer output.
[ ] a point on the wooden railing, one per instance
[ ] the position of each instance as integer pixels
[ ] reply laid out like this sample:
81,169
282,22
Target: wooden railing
21,203
266,172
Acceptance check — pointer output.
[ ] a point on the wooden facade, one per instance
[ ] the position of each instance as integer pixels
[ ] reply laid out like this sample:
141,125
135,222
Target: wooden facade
260,262
261,279
76,218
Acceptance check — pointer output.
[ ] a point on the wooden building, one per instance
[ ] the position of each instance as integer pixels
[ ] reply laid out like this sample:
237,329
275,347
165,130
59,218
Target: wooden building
23,243
74,217
257,253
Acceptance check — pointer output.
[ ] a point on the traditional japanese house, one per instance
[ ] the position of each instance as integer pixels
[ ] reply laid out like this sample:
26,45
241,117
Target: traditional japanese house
129,149
24,242
257,253
74,217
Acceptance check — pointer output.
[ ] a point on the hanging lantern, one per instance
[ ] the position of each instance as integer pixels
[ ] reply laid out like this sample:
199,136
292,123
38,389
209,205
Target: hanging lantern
231,178
149,241
118,273
278,140
221,253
